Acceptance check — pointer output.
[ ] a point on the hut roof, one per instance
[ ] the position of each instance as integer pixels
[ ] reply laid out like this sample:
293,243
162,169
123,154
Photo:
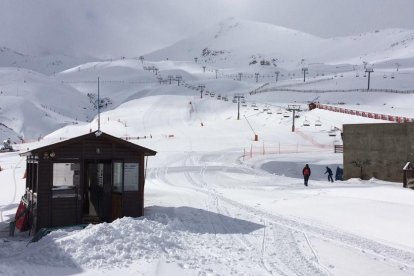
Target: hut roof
92,135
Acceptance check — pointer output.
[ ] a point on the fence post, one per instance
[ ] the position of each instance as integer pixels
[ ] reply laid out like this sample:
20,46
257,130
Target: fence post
251,151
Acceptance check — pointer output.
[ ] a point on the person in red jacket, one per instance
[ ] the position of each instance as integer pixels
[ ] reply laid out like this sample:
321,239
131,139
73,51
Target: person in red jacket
306,173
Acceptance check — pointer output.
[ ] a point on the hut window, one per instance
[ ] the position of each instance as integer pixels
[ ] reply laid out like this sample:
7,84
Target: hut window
131,180
117,173
66,175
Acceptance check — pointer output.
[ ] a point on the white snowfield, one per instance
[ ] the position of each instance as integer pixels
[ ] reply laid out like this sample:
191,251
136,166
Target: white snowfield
216,201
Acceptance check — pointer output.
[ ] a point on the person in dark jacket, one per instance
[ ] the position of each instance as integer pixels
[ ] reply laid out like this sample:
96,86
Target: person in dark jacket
306,174
329,172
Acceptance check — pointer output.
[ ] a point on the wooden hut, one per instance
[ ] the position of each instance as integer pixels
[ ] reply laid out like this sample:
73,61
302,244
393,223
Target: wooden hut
91,178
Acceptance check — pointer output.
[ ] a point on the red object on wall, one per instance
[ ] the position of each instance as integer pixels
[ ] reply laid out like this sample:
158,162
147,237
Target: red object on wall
22,217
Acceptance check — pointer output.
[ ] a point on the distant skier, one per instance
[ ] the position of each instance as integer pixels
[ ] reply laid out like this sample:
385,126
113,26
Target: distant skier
329,172
306,173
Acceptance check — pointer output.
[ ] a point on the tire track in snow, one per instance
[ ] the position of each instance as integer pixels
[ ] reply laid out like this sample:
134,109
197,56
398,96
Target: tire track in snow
252,246
395,255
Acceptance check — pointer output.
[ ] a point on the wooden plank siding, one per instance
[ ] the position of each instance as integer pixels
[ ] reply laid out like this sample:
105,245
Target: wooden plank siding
64,211
44,195
53,211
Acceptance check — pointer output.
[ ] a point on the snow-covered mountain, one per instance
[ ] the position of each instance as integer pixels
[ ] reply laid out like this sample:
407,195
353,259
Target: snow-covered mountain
46,64
240,43
217,201
232,46
32,104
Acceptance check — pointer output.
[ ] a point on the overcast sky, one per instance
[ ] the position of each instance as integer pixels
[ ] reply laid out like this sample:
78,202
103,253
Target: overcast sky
111,28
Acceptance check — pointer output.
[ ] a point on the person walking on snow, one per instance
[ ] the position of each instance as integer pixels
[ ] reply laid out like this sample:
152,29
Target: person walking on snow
329,172
306,173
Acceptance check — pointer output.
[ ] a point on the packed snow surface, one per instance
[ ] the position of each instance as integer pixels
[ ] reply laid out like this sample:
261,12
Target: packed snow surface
216,201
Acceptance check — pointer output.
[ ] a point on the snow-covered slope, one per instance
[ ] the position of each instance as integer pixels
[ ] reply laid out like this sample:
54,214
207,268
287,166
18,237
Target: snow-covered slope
217,201
33,104
46,64
240,43
235,42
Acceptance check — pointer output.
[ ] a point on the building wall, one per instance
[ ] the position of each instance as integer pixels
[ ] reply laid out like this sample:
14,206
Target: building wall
60,212
377,150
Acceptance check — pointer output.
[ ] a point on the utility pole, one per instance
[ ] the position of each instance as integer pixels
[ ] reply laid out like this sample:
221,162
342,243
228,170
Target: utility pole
99,109
178,78
204,69
369,71
216,72
240,76
257,76
201,87
156,70
277,75
294,108
170,77
304,70
238,97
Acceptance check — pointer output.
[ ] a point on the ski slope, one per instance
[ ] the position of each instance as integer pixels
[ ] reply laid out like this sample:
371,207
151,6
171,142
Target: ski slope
211,207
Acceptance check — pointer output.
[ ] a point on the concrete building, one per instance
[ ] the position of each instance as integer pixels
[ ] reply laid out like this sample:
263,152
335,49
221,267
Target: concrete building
377,150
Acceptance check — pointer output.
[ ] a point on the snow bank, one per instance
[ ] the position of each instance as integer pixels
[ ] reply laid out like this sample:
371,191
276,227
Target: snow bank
108,245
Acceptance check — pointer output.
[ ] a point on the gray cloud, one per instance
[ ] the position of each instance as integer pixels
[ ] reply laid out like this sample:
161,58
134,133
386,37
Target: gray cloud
107,28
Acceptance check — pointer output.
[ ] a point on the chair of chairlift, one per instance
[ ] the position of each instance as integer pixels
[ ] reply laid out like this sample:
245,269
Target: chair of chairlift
306,122
279,111
286,115
357,76
365,75
318,122
332,132
392,77
341,76
269,112
385,76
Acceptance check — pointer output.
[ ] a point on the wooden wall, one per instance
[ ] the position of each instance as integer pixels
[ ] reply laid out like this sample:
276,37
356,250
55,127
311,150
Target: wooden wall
68,211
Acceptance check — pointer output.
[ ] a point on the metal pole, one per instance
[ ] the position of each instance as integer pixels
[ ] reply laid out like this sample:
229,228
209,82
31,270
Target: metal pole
369,78
369,71
99,109
293,125
238,108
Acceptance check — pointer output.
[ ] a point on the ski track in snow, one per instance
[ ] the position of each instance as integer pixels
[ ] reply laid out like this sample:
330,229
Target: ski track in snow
284,247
